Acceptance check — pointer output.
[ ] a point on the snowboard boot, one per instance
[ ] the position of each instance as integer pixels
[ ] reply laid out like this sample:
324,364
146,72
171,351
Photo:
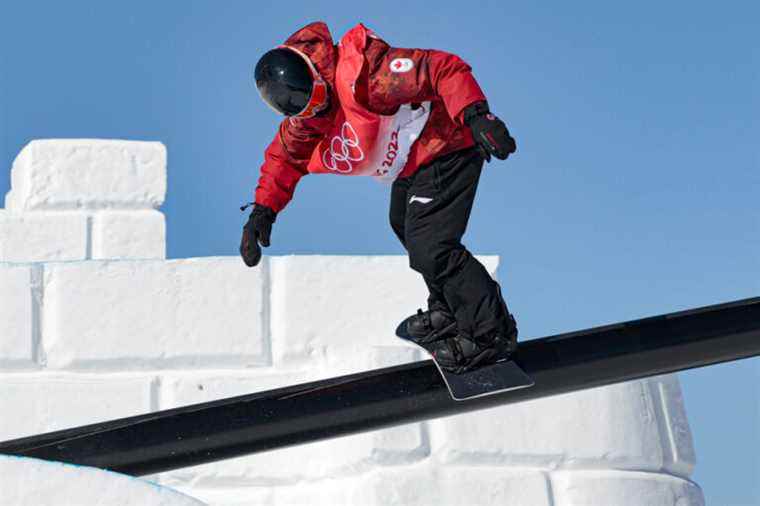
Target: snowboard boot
463,353
432,325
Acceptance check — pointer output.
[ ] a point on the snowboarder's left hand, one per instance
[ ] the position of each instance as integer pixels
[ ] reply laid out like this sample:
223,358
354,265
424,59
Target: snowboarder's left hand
490,133
256,230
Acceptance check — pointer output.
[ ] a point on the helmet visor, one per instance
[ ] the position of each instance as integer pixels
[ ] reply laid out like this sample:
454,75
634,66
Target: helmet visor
285,81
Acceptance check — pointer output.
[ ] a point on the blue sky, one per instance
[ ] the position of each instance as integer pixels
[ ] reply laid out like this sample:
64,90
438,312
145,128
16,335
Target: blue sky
634,191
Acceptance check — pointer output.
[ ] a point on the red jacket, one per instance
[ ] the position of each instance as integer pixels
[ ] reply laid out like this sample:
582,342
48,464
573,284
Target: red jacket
437,77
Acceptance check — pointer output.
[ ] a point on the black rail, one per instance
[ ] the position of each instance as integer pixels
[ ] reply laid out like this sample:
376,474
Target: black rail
371,400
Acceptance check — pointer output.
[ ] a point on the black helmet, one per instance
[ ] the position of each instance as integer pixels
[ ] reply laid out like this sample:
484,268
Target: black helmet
289,84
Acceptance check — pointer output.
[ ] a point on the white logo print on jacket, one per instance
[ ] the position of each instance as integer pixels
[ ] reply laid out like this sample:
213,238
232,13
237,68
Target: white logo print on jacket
344,150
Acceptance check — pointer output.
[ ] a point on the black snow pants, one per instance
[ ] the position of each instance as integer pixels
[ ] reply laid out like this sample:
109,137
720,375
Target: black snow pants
429,212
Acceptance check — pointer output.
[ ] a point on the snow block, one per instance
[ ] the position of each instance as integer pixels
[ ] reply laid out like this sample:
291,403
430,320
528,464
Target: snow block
587,488
674,425
200,312
184,388
231,495
614,427
18,312
420,484
34,403
42,483
347,359
348,455
87,173
42,236
192,387
343,304
427,484
128,235
336,457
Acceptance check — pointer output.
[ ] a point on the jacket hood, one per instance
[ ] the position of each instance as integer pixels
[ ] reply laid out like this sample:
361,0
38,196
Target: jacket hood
315,41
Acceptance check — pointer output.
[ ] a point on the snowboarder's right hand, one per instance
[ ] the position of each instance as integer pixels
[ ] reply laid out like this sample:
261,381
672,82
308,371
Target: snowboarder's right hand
256,231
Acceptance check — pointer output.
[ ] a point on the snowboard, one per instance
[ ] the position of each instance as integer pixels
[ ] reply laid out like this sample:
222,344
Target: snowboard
486,380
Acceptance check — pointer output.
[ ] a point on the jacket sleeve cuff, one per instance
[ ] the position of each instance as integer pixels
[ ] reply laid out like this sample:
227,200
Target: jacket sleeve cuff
273,202
456,104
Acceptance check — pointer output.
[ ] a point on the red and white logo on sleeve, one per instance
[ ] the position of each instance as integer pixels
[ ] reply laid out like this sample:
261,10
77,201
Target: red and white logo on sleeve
401,65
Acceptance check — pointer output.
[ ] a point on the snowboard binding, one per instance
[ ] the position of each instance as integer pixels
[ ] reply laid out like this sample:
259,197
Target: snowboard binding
427,327
480,370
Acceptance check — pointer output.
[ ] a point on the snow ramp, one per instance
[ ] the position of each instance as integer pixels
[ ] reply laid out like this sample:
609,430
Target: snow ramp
27,481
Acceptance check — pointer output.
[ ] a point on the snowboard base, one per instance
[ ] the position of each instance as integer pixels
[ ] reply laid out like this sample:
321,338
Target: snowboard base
487,380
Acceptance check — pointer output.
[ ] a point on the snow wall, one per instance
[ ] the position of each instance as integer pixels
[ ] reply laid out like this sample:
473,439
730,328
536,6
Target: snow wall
95,324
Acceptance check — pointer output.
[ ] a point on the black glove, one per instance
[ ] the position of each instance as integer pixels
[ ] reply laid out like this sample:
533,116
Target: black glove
490,133
256,230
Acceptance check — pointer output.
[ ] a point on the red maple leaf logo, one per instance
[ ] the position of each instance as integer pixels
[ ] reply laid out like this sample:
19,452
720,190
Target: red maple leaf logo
401,65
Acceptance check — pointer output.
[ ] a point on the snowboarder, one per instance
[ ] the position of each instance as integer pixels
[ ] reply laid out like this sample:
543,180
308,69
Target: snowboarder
411,116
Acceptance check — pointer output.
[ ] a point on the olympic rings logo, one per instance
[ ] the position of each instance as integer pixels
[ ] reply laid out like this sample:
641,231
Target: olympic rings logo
344,150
